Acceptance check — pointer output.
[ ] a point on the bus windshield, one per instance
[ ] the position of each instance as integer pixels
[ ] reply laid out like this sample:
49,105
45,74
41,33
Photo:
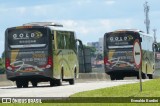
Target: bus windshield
27,37
120,40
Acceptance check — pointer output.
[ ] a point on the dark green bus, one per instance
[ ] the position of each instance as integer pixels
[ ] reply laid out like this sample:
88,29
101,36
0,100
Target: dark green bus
118,54
40,51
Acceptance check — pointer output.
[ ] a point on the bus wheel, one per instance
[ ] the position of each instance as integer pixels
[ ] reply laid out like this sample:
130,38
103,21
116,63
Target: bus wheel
59,81
18,84
120,77
25,84
143,76
52,83
150,76
113,77
72,81
34,83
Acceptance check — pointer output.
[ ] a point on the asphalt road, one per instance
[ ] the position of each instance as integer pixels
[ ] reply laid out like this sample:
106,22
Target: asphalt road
44,90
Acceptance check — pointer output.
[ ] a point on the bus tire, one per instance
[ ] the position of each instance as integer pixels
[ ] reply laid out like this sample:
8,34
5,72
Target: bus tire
112,77
34,83
18,84
120,77
25,84
59,81
143,76
72,81
150,76
52,83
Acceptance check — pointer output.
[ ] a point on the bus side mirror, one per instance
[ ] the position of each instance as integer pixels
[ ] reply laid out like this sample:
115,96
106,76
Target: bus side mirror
155,47
140,39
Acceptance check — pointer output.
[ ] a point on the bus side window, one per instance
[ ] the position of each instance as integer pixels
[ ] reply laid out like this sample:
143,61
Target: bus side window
64,38
140,39
60,40
155,48
72,42
67,35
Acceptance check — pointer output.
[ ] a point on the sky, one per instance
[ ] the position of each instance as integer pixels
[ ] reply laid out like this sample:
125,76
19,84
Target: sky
90,19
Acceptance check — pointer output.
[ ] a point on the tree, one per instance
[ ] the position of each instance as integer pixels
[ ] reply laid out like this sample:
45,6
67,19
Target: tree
93,50
3,55
2,68
99,56
2,63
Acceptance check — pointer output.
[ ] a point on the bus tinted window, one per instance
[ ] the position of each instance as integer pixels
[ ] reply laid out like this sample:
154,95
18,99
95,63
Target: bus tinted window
65,40
72,42
60,40
26,38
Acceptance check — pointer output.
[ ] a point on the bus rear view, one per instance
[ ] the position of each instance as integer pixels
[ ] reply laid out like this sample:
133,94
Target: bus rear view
27,54
118,56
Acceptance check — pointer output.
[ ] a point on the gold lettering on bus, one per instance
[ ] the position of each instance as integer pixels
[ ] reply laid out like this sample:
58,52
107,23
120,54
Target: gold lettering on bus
38,56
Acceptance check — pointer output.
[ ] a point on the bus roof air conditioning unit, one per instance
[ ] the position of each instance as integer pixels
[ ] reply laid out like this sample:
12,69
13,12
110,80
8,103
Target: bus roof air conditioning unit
43,24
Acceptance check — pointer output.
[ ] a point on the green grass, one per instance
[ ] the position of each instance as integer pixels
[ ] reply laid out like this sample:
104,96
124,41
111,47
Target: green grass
150,88
84,104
